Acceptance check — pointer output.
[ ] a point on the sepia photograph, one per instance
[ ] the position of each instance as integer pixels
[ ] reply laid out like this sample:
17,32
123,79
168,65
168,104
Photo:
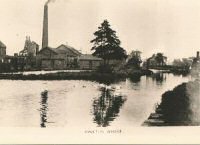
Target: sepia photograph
99,71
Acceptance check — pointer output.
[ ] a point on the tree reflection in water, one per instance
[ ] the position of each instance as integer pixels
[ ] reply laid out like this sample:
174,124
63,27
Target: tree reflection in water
107,107
44,109
135,78
159,77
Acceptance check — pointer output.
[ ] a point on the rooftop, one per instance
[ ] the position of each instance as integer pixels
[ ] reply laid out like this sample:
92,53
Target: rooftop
89,57
66,48
2,45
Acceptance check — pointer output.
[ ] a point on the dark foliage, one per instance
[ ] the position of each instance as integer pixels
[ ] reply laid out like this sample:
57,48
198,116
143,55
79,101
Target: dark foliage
160,59
134,60
107,44
176,104
105,68
177,107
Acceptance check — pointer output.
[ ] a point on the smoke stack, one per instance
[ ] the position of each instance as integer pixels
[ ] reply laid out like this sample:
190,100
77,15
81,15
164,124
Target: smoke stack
45,27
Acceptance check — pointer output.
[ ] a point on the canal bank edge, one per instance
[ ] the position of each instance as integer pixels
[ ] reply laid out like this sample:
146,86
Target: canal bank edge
87,75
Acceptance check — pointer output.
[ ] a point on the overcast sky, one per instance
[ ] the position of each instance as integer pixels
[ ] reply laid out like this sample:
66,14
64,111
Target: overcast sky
168,26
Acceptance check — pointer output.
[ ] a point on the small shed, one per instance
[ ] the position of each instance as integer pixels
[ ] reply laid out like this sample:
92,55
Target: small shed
88,61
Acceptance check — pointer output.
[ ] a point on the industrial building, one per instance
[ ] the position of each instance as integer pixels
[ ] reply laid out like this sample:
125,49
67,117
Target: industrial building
62,57
88,61
31,48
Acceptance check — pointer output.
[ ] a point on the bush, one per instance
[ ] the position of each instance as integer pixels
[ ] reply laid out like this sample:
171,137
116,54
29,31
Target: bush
105,68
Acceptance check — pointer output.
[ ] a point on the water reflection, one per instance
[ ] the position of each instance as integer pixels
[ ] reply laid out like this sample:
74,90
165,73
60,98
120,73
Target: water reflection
135,79
26,108
159,77
44,109
107,107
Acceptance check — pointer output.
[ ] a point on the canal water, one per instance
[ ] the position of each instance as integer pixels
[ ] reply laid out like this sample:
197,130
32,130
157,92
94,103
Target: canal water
72,103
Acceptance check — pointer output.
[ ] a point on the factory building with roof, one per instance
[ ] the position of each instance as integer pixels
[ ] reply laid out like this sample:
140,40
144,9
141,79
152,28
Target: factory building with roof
88,61
65,57
62,57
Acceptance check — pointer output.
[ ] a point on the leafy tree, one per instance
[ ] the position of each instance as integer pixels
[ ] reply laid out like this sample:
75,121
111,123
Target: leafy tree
160,59
185,63
107,44
177,63
135,59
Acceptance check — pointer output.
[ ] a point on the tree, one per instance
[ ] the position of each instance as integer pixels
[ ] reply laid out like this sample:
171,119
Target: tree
177,63
185,63
160,59
107,44
135,59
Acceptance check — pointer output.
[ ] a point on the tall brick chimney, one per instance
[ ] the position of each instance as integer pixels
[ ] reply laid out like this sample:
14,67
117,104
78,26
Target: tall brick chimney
45,27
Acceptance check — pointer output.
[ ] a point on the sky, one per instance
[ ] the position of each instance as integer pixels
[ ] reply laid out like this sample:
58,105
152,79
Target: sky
171,27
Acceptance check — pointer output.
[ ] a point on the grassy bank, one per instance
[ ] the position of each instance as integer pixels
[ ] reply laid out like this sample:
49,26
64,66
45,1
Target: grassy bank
93,76
173,69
